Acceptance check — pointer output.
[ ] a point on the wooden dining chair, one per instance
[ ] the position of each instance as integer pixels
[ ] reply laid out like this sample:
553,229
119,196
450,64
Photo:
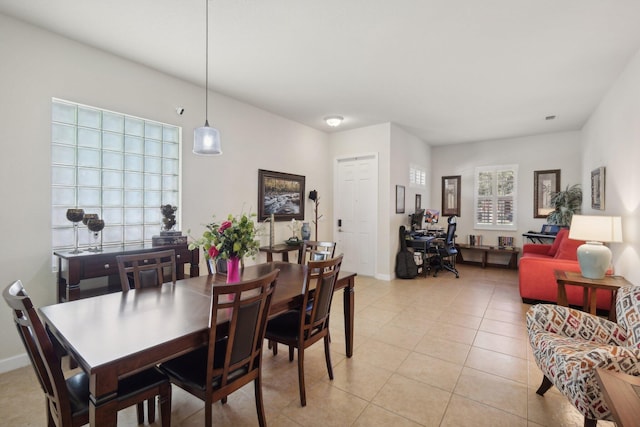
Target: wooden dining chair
68,400
141,271
316,251
146,269
301,328
233,355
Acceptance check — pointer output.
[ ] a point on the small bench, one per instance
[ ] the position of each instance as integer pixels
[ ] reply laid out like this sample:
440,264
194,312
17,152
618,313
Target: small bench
486,250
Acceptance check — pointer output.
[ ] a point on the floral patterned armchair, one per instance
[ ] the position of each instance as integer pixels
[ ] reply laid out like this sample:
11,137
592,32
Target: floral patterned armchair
568,346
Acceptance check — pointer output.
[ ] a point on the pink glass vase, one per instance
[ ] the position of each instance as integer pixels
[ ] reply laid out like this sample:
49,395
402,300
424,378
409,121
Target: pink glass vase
233,269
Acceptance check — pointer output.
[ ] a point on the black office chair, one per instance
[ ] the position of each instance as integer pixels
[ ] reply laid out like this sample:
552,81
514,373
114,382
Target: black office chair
444,250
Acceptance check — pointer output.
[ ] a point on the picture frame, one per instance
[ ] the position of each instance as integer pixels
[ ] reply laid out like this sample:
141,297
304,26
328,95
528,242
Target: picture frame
418,201
399,198
597,188
451,195
281,194
545,183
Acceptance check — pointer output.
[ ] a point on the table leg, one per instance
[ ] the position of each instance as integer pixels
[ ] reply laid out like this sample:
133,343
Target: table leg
562,295
585,299
593,302
349,305
105,415
269,257
612,309
285,256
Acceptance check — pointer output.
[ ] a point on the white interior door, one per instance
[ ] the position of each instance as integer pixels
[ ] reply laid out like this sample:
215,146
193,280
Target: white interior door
355,212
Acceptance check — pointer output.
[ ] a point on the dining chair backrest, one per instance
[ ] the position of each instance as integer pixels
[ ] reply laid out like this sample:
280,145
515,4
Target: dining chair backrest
319,283
245,307
42,353
146,269
316,251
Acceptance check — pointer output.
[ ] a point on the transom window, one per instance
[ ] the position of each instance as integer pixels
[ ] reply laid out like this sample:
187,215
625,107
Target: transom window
121,167
495,197
417,176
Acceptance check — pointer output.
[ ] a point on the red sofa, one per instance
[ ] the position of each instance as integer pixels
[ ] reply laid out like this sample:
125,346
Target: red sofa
536,272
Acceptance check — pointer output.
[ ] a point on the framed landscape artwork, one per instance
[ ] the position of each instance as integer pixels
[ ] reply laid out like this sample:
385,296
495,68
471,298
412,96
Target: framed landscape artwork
597,188
280,194
451,195
545,183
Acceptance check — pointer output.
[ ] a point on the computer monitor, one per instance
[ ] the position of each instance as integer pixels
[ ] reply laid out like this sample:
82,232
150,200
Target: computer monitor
432,216
416,219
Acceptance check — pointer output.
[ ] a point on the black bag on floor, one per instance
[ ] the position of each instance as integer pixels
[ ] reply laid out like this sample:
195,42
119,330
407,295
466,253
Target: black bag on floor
406,267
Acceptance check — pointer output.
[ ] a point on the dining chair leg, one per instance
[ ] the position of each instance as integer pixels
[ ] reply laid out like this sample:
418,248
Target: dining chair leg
274,347
259,402
291,353
165,405
151,410
327,356
140,411
303,396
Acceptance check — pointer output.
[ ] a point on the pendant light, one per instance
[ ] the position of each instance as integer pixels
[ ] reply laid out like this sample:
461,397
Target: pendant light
206,140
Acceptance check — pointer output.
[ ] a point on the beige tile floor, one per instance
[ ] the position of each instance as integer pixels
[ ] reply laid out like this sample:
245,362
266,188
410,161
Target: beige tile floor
428,352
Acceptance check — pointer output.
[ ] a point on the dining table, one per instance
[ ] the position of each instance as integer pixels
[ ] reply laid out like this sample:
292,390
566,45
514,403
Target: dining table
116,335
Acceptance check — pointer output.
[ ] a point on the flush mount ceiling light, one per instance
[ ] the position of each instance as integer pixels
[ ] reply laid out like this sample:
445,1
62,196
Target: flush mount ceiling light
334,121
206,140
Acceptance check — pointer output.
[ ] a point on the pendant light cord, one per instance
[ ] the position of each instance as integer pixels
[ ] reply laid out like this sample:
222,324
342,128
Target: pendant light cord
206,77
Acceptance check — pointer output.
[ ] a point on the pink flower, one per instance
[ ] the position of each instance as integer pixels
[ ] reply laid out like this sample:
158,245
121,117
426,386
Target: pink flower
224,226
213,252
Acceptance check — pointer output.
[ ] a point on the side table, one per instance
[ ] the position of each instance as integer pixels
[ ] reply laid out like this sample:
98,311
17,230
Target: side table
622,394
590,287
281,248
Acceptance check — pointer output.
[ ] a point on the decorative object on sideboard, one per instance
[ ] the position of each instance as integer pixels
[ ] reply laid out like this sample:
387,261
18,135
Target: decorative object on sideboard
168,216
594,257
95,226
313,195
168,236
75,215
565,203
85,221
206,140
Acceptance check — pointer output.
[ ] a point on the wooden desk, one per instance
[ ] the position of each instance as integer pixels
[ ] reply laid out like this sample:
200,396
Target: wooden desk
622,394
590,287
421,245
72,268
115,339
281,248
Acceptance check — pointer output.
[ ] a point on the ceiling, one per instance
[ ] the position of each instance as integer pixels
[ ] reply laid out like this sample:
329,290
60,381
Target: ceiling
448,71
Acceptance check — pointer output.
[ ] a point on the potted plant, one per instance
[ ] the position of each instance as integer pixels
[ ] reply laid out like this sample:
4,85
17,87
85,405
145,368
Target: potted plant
565,204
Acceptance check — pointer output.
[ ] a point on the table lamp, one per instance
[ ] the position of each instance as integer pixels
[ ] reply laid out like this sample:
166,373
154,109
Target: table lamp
594,257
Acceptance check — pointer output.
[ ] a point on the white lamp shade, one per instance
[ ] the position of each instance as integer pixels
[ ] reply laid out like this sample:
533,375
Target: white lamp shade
206,141
596,228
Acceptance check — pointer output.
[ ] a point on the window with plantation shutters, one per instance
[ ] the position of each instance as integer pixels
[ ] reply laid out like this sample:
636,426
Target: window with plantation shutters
495,197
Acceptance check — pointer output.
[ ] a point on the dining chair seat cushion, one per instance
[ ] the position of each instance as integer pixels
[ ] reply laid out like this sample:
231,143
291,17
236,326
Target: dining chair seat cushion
78,386
191,368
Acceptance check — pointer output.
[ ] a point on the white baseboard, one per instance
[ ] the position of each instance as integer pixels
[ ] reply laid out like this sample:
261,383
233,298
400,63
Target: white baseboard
14,362
386,277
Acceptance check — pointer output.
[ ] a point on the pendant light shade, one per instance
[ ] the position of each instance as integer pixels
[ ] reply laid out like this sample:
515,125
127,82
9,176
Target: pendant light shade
206,140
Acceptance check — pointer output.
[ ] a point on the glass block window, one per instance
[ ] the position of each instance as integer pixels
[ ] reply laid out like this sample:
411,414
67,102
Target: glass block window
496,197
121,167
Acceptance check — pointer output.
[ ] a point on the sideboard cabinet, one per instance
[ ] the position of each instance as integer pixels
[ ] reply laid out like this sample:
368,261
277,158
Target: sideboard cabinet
72,268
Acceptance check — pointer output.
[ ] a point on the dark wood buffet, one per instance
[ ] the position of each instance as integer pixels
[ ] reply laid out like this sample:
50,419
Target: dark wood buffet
72,268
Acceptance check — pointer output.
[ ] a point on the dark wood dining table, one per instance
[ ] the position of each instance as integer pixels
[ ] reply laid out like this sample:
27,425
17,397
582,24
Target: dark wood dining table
115,335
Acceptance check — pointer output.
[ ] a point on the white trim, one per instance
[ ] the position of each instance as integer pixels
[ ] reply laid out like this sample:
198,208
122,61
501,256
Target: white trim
14,362
495,197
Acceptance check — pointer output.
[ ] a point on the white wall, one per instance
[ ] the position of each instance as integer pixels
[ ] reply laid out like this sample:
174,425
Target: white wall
611,138
550,151
371,139
406,149
38,65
